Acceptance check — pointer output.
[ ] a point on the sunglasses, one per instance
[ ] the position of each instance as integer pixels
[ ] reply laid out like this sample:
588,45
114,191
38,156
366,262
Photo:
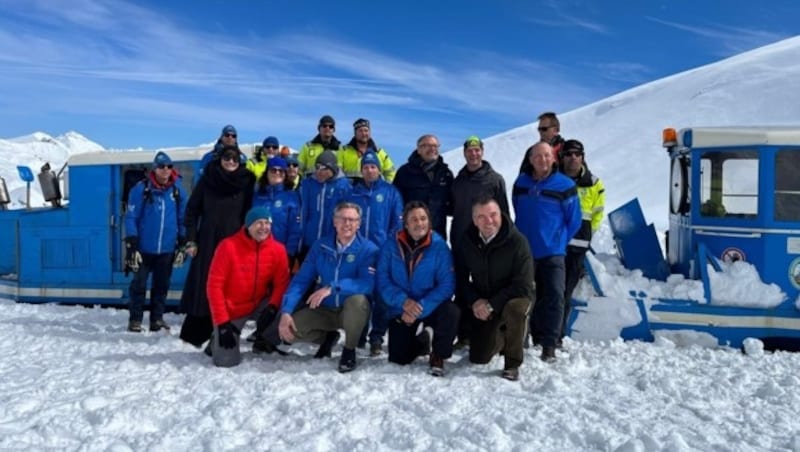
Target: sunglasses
230,158
327,126
230,135
270,147
293,165
544,128
277,170
320,166
164,166
572,154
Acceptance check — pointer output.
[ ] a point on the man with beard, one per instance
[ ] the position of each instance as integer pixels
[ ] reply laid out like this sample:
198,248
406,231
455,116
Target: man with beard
325,140
349,157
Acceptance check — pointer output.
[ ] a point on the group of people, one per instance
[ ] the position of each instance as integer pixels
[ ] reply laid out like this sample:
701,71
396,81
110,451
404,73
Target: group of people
335,239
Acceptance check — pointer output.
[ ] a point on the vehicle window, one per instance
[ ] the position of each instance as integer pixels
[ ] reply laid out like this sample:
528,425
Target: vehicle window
787,185
729,184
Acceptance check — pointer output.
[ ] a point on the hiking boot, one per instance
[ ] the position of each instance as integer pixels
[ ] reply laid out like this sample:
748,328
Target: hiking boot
375,349
548,353
159,325
251,337
324,350
135,326
347,362
511,374
437,365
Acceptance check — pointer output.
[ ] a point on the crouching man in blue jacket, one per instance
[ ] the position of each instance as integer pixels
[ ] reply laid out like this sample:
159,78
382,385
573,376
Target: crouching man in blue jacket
416,280
342,267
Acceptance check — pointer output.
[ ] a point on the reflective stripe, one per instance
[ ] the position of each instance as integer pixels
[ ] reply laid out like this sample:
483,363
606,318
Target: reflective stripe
586,216
579,243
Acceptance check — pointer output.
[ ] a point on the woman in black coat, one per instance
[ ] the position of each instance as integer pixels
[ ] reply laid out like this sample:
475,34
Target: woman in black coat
215,210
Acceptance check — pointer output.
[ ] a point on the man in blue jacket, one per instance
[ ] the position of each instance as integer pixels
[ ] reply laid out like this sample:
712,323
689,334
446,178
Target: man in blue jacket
341,271
416,280
154,230
382,209
548,214
319,195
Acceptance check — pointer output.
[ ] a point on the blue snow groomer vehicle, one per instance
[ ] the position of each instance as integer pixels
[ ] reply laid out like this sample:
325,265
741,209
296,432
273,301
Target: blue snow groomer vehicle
734,196
73,252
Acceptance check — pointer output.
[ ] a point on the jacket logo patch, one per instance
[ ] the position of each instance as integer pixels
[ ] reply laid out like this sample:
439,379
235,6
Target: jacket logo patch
278,203
351,258
379,198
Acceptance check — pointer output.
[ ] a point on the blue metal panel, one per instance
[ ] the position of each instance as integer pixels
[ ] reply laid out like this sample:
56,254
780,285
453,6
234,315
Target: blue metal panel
637,242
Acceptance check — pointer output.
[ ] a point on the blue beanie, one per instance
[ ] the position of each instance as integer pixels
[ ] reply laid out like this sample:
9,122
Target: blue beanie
292,159
370,158
228,129
277,162
270,141
257,213
161,159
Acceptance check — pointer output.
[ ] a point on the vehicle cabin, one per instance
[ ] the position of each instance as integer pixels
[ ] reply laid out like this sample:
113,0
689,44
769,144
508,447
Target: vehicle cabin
74,252
735,194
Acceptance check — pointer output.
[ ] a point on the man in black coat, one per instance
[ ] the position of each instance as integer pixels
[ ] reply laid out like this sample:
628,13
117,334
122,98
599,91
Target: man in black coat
425,177
495,278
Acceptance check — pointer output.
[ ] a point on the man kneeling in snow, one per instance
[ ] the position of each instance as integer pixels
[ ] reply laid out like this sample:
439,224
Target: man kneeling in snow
494,271
342,271
244,266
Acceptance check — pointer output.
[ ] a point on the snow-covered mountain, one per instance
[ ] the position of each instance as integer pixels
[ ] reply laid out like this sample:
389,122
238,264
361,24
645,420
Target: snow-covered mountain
34,151
622,133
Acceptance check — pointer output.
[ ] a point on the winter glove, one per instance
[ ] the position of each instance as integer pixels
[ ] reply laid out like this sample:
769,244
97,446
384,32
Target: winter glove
227,335
133,259
177,261
180,255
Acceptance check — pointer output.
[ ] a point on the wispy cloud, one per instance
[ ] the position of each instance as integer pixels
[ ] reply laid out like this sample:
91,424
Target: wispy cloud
726,39
114,59
562,14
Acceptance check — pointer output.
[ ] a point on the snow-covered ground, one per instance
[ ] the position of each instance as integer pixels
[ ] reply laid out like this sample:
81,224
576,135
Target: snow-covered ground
74,379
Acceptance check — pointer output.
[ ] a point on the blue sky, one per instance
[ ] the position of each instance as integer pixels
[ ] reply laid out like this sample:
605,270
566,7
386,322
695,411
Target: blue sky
154,74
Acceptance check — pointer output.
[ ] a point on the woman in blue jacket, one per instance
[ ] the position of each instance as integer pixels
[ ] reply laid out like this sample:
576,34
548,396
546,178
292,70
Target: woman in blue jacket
283,204
416,281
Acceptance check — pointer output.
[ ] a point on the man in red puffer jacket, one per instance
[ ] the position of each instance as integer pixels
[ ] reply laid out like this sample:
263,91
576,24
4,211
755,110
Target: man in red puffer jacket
246,266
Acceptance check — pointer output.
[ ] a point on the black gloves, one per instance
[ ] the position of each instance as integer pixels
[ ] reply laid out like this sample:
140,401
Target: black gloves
132,256
228,333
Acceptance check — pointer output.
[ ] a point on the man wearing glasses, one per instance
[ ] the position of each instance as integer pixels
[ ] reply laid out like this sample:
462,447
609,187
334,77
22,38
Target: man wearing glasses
340,269
591,194
351,154
270,147
154,230
325,140
549,129
427,178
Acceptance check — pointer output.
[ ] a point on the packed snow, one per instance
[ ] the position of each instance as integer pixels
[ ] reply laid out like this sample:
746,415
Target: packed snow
73,378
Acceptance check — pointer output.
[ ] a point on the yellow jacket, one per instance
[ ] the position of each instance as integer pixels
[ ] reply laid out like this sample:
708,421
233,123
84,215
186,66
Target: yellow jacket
349,160
592,196
307,157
